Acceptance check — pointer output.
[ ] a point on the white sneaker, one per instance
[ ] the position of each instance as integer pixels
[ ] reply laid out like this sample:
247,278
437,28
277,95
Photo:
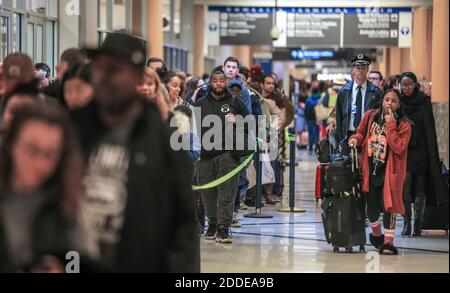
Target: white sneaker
236,224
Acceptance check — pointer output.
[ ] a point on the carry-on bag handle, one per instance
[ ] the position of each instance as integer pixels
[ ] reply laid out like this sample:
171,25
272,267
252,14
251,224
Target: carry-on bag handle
355,168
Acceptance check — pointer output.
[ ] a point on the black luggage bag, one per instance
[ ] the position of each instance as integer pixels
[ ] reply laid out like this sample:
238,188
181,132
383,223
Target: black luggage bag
344,213
436,216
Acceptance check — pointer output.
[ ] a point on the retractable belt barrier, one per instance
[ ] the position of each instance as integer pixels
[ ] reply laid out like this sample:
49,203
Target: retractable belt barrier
228,176
225,178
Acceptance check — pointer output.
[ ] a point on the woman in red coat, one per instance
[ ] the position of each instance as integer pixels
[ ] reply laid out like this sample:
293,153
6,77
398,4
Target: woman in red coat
384,136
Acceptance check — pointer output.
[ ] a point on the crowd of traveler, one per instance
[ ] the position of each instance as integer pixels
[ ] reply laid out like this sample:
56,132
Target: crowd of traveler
88,163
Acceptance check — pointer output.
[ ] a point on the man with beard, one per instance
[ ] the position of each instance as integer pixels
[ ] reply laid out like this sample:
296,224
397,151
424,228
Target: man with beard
270,109
354,100
138,190
268,87
218,106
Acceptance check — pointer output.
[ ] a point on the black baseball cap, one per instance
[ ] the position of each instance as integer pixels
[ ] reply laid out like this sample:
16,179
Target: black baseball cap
361,60
123,45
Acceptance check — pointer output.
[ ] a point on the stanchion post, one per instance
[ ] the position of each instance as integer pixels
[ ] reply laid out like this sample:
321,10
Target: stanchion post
292,146
291,168
258,188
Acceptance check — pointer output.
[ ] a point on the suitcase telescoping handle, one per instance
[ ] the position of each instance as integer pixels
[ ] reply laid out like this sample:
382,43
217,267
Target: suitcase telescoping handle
355,159
355,168
333,151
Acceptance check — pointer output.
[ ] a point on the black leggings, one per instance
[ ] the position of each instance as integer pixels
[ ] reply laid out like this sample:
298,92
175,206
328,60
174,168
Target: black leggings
414,184
375,206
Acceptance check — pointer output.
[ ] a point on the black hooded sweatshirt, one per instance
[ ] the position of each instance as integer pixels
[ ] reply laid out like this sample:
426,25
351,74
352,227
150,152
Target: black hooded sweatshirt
219,108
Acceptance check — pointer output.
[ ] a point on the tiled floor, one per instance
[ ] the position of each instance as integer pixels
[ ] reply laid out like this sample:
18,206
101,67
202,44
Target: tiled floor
291,243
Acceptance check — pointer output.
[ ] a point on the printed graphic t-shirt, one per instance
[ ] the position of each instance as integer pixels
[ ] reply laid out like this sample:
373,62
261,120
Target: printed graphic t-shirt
378,150
106,190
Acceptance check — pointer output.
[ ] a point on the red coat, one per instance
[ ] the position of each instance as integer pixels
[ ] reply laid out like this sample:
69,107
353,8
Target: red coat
398,140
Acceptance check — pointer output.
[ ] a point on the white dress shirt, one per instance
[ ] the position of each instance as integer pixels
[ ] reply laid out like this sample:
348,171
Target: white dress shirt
354,95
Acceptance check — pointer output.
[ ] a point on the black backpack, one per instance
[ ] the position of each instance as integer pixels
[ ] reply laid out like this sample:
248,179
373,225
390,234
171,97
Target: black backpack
324,151
340,177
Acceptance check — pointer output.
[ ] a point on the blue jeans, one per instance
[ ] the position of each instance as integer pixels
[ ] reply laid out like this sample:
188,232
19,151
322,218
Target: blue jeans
276,165
313,130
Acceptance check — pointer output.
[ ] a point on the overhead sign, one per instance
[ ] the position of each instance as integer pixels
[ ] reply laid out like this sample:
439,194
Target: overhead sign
324,54
312,54
388,27
311,27
212,28
405,27
242,25
337,27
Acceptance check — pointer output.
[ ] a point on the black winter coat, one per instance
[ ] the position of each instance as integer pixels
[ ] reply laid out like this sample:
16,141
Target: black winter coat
160,232
372,100
437,188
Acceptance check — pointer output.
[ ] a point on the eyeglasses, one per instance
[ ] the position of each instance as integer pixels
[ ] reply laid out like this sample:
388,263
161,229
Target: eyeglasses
34,152
408,86
373,78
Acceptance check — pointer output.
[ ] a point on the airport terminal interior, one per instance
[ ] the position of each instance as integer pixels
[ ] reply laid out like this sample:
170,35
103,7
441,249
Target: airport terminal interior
309,49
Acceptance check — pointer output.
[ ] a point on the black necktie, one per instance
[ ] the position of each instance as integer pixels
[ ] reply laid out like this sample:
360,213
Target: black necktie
359,109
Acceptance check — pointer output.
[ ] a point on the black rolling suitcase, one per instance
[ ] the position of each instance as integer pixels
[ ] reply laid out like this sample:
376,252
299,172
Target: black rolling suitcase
436,218
343,214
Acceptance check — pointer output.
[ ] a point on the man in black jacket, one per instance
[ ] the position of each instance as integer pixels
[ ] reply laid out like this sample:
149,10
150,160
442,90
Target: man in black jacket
219,154
354,100
138,190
